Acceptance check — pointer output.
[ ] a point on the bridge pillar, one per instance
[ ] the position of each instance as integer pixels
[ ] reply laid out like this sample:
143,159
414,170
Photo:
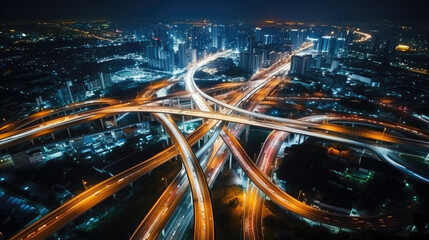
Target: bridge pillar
360,157
230,161
102,124
171,102
215,107
192,104
178,102
206,137
114,121
114,196
183,122
53,136
246,136
68,131
32,142
139,117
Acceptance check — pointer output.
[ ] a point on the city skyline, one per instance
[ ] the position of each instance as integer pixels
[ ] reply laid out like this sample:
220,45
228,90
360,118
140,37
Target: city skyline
241,120
410,12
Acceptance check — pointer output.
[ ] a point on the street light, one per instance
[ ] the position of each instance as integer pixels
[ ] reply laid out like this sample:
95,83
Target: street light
165,181
301,193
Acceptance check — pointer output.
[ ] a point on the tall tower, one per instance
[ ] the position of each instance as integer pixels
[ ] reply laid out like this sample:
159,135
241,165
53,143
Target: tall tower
182,56
250,44
215,36
294,38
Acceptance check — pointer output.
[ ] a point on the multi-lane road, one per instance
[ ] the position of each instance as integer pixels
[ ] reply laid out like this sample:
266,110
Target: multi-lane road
394,219
200,177
253,203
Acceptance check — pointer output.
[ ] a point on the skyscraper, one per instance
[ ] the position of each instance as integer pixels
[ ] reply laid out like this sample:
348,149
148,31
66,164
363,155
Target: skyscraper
215,36
258,34
325,44
182,56
194,37
294,39
300,64
297,38
241,41
340,44
250,44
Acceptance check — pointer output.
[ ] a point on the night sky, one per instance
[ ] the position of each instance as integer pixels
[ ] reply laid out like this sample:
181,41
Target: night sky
405,11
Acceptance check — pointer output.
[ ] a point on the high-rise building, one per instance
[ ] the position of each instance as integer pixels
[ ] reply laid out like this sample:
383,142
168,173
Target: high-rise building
182,56
39,101
269,39
194,37
258,34
230,36
103,81
250,44
78,90
302,36
335,64
340,44
186,56
250,62
191,56
160,57
325,44
255,62
241,41
156,42
137,36
297,38
215,36
294,39
319,59
244,61
300,64
63,96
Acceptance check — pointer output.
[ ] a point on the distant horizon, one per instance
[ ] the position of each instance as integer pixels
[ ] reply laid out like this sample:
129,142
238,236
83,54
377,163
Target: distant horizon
216,20
354,11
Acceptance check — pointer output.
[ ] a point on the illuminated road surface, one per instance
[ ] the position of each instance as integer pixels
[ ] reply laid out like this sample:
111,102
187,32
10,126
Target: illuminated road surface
290,203
65,213
76,206
253,203
203,211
